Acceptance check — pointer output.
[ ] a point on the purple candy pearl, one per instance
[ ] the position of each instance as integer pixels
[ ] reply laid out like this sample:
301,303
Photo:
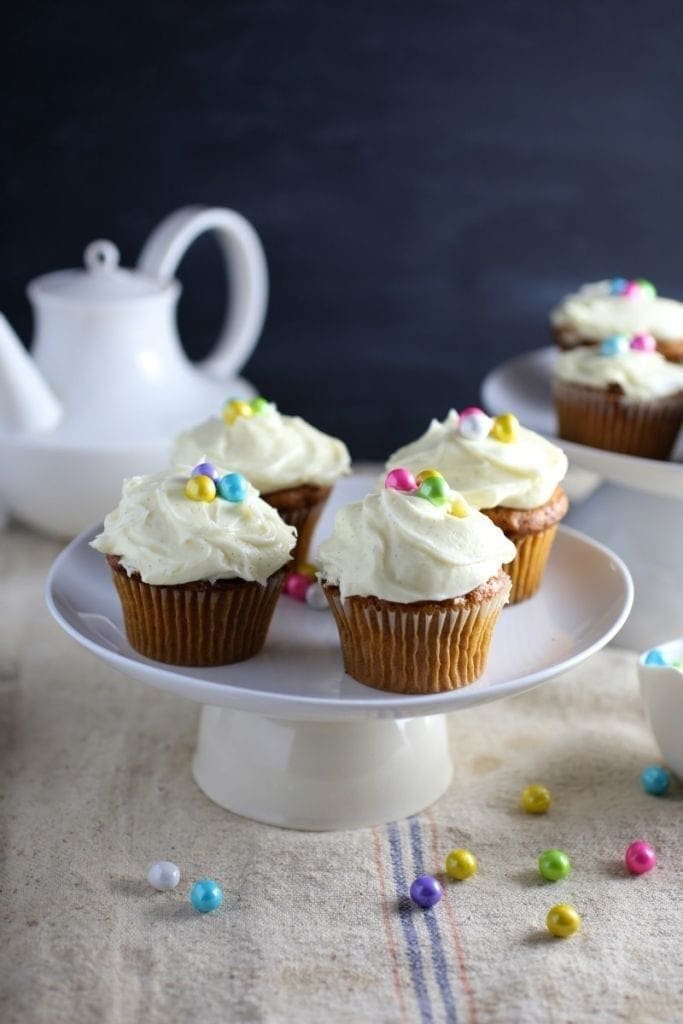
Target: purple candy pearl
206,469
643,343
426,891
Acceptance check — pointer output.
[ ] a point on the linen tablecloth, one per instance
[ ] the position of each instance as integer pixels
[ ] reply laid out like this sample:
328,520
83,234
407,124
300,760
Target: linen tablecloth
317,927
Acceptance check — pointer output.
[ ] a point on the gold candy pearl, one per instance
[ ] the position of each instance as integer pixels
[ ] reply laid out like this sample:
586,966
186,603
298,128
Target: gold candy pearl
235,409
505,428
459,509
425,474
200,488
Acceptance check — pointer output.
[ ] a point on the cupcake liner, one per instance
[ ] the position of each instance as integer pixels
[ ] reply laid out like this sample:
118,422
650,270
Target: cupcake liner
300,507
526,571
605,419
425,647
196,624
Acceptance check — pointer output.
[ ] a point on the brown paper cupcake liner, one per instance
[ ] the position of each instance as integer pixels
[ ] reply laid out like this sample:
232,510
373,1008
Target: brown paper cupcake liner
425,647
300,507
196,624
605,419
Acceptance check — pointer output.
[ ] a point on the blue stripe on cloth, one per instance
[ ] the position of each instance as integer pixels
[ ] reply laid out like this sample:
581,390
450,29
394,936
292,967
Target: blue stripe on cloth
405,912
438,955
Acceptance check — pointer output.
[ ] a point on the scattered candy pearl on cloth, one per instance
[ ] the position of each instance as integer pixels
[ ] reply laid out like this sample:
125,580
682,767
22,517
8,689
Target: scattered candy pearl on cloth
655,657
163,875
461,864
315,597
640,857
536,799
206,895
200,488
232,487
554,865
426,891
643,343
562,920
505,428
613,345
474,424
297,585
400,480
655,779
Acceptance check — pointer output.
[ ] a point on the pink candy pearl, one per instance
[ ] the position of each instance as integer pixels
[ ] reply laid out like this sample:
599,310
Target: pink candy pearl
632,289
470,411
297,584
643,343
400,480
640,857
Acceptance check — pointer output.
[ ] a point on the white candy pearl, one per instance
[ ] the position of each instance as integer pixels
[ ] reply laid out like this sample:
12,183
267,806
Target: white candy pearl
163,875
315,597
475,427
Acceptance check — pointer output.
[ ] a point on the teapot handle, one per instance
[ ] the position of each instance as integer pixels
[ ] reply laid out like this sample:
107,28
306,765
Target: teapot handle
246,269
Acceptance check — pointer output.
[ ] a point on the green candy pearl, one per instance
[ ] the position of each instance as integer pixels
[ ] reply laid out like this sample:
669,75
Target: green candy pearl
259,404
434,489
554,865
647,287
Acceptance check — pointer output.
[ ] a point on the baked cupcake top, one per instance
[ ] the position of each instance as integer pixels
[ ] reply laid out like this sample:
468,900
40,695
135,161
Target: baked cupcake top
413,540
619,306
207,524
631,364
490,461
274,451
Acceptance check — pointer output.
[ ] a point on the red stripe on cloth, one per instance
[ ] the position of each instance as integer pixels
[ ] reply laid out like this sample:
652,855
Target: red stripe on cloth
455,931
391,945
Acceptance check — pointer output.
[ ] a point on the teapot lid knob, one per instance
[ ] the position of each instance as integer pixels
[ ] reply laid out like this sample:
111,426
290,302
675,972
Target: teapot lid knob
101,255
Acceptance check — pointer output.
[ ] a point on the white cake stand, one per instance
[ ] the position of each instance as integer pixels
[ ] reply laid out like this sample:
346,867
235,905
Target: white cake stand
287,738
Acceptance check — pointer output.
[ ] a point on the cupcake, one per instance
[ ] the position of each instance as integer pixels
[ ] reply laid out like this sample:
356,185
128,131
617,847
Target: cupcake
198,561
292,464
623,396
511,474
413,576
605,308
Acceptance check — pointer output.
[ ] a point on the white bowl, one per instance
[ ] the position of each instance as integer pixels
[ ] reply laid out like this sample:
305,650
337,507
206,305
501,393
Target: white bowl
662,689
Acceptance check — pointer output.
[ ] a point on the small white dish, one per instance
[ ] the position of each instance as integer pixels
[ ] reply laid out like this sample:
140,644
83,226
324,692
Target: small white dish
661,687
523,385
287,738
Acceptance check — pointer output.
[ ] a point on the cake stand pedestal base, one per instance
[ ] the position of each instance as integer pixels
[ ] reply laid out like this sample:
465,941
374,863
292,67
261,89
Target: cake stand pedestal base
321,775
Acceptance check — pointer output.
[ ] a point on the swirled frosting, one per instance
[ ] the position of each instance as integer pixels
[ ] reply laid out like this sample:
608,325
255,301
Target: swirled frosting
594,312
487,472
273,451
401,547
640,375
167,538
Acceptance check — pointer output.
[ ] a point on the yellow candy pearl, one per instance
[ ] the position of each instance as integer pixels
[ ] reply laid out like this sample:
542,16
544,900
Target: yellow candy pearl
425,474
505,428
235,409
459,509
307,569
563,920
461,864
536,799
200,488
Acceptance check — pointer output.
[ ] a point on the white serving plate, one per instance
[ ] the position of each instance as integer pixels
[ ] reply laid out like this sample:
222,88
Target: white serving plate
523,385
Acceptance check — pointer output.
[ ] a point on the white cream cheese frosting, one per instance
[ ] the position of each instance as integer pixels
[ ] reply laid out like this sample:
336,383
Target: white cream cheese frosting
594,313
168,538
401,547
519,474
642,376
273,451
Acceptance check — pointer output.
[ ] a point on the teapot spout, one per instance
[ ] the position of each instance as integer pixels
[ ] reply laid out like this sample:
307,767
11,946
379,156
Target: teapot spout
27,404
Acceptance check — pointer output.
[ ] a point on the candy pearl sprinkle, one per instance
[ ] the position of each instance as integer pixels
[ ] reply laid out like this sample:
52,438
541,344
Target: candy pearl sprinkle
315,598
640,857
613,345
536,799
163,875
297,585
643,343
426,891
400,480
200,488
474,424
232,487
562,920
655,780
206,895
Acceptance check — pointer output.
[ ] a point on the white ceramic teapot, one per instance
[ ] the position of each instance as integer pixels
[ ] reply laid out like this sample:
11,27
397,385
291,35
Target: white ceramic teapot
108,384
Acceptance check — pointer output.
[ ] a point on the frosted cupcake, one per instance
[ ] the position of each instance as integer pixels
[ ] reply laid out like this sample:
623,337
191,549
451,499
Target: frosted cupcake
413,576
291,463
511,474
618,306
623,396
198,561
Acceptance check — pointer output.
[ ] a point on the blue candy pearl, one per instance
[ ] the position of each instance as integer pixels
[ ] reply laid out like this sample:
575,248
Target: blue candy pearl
426,891
655,779
205,469
618,285
206,895
614,345
232,487
655,657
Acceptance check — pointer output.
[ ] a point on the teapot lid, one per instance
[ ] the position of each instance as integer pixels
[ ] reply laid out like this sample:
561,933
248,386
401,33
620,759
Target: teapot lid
103,280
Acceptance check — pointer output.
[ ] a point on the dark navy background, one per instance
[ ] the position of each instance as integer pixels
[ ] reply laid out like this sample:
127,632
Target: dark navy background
427,178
